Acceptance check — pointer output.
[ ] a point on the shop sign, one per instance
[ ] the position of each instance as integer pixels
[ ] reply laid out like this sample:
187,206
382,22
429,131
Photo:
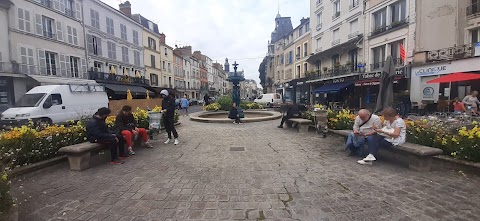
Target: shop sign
477,49
300,83
372,75
370,83
436,70
341,80
428,92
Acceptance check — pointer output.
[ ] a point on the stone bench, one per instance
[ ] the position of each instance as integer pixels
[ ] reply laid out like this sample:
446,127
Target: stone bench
414,156
303,124
85,155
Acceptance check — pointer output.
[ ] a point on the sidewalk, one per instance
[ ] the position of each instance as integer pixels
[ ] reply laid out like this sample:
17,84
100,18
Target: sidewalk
281,175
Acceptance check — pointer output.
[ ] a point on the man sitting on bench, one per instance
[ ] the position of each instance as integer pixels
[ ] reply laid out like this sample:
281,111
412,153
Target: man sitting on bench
125,125
97,132
293,110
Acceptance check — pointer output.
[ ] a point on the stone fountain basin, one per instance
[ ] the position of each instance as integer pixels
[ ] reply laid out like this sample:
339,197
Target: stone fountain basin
222,116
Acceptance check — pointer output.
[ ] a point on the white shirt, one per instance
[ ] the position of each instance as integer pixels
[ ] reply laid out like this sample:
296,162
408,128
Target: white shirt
367,127
397,123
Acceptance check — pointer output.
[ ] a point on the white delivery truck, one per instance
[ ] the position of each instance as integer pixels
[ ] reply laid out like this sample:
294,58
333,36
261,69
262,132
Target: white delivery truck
269,100
54,104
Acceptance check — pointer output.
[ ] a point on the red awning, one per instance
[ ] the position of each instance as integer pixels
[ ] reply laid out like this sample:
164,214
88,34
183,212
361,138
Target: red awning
455,77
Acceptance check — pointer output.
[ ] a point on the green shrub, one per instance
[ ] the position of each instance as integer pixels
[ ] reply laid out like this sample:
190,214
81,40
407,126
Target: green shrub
225,102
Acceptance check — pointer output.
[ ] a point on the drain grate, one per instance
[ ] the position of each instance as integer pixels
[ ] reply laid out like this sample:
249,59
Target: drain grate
237,148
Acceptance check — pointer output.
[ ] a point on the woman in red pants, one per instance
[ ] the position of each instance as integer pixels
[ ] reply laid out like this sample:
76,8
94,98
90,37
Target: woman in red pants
126,125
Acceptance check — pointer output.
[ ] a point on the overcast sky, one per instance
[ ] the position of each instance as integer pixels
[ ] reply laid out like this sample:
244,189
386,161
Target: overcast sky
233,29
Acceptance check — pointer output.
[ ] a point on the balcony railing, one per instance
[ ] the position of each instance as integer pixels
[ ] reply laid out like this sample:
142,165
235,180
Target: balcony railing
107,77
335,42
353,4
16,68
353,35
46,3
69,13
297,56
336,15
452,53
379,65
473,9
319,26
49,34
385,28
337,71
318,49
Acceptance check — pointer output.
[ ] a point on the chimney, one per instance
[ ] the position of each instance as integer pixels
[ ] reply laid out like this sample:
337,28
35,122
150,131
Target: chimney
162,38
126,8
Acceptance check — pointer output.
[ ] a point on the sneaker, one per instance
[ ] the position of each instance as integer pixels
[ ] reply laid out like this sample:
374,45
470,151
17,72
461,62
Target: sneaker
168,141
363,162
281,126
131,152
116,162
234,122
148,145
176,141
370,157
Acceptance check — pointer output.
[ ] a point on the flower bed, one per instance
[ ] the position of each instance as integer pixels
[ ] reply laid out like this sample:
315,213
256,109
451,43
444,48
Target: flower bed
460,143
225,103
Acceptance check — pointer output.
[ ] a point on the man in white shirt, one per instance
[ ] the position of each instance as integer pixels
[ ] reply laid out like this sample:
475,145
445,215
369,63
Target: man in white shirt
363,130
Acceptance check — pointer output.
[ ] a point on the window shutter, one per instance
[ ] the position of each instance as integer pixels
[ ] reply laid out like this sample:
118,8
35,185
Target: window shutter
42,63
59,31
63,68
27,20
62,5
21,17
78,10
99,46
56,5
75,38
68,66
83,71
69,35
90,44
38,22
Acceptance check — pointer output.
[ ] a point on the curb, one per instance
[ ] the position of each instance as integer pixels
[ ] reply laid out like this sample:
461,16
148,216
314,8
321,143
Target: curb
269,115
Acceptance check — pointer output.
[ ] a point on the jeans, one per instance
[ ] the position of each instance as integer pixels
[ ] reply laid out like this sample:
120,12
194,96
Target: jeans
185,110
355,146
113,145
170,127
128,136
377,143
405,109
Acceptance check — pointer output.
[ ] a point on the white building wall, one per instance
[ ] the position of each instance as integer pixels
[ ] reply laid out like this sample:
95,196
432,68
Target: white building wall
29,41
4,44
118,18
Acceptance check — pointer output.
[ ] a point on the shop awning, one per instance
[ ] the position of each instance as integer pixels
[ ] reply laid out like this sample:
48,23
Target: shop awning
51,80
333,88
122,89
455,77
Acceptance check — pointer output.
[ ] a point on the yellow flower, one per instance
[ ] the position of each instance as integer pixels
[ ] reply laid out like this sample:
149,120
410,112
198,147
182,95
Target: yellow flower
454,139
4,177
474,122
470,137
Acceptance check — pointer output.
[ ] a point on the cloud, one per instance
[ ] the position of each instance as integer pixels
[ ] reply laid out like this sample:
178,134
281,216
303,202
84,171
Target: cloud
235,29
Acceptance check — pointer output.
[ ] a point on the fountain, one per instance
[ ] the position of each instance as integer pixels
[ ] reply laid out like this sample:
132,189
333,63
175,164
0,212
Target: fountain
222,116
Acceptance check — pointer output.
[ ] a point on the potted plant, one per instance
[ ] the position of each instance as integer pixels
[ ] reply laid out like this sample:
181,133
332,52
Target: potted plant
337,64
325,69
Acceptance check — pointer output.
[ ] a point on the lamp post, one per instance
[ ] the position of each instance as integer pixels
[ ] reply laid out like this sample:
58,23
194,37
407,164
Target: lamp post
236,78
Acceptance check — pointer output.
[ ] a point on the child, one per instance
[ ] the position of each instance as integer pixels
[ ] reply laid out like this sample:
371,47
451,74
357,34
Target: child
234,114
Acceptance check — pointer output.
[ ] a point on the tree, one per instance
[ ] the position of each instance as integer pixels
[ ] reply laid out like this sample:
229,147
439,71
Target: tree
263,72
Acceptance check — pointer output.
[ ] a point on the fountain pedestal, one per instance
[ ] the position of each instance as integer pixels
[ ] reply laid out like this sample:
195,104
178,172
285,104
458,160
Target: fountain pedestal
236,78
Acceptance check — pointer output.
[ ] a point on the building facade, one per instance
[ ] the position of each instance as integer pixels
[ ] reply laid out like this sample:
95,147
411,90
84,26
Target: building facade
115,49
45,42
152,54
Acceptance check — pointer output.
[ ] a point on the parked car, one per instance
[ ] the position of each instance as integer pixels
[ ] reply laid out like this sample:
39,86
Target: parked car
193,102
178,103
269,100
56,104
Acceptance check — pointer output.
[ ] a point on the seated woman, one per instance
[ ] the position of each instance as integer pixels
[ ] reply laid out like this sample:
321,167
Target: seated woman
125,125
393,133
459,107
234,114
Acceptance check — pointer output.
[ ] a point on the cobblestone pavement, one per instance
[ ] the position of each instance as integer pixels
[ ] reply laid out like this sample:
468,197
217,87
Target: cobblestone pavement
281,175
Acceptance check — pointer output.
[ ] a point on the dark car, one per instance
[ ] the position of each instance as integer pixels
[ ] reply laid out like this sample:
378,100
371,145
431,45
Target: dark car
178,104
193,102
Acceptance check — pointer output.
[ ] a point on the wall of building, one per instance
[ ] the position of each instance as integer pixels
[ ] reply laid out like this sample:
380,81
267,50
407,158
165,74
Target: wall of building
4,43
148,52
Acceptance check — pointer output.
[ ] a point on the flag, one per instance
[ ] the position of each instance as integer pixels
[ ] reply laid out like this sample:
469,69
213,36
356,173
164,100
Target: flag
129,95
402,53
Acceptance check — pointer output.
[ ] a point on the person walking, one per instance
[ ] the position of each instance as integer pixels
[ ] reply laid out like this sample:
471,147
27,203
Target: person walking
168,106
97,132
126,126
184,104
292,110
472,102
233,114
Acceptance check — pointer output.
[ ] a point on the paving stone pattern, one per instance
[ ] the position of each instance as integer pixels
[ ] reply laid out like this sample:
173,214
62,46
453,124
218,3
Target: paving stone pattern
281,175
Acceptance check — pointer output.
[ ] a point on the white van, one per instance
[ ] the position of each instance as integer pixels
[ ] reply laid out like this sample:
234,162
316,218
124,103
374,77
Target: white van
56,104
269,100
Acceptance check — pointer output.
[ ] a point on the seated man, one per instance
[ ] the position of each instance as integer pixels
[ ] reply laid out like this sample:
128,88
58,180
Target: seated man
97,132
125,125
292,110
363,129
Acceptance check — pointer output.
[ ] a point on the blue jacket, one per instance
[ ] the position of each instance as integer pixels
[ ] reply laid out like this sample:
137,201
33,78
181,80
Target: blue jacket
184,102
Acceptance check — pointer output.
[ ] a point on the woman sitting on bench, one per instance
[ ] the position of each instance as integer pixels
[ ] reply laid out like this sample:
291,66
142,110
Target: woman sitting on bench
125,124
